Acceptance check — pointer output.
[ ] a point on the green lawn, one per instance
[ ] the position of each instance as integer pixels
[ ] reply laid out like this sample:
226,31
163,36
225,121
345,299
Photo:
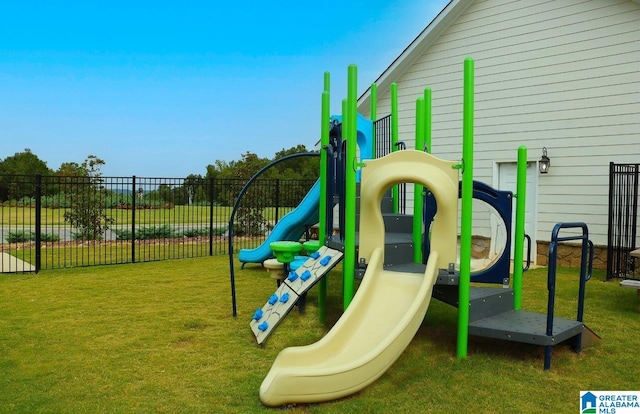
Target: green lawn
159,337
26,216
104,253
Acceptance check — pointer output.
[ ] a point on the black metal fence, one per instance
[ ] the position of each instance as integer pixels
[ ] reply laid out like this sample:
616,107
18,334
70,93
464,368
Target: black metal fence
382,129
624,182
49,222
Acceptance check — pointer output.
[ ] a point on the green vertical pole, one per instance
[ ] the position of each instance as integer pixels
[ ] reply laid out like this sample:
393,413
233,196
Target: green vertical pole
349,262
373,115
518,244
322,212
394,140
467,200
427,119
417,188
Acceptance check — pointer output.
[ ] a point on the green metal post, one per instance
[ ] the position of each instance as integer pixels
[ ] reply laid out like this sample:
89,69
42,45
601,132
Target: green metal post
322,225
464,284
417,188
427,119
394,140
373,115
327,82
518,243
349,261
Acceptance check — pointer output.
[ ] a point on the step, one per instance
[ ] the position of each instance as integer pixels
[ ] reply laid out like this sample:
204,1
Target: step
525,327
389,239
417,268
398,247
483,301
398,223
486,302
394,223
386,204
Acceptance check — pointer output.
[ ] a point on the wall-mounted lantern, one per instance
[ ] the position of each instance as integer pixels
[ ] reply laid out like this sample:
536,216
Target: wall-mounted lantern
545,163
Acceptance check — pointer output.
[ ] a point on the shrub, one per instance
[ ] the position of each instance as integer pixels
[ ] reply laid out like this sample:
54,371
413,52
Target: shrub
20,236
85,234
203,231
29,236
166,232
159,232
26,201
250,222
49,237
122,234
55,201
219,231
87,203
148,233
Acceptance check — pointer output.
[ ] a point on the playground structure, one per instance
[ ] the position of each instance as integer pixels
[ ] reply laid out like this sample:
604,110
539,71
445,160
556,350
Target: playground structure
382,318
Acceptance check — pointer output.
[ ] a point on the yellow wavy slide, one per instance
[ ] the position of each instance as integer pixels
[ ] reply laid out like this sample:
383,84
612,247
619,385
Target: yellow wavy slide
375,329
388,307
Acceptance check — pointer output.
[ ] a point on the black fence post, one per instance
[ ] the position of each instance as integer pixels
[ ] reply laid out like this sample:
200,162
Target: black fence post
610,225
38,195
277,200
211,179
622,221
133,219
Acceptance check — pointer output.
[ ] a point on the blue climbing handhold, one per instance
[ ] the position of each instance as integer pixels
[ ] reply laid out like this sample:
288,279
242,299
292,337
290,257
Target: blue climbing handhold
305,275
325,260
285,297
273,299
292,276
315,255
263,326
257,315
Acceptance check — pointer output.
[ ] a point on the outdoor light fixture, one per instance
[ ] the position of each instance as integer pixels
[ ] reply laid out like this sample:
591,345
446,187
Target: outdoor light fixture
544,162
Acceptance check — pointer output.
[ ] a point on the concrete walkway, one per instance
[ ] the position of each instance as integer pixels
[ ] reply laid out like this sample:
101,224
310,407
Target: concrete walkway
11,264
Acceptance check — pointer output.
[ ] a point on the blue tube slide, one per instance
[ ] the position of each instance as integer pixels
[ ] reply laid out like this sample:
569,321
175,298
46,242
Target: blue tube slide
291,227
364,139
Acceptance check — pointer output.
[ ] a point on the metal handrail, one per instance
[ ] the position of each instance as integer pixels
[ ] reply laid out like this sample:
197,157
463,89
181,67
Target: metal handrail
586,266
528,265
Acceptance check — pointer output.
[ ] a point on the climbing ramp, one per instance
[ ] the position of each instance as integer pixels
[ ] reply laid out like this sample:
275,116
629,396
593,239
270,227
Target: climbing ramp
296,285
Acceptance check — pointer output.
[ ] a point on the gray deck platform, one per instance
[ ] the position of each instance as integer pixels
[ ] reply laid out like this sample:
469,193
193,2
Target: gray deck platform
526,327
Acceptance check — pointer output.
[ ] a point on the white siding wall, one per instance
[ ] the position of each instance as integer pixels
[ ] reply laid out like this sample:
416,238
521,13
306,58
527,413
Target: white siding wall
564,74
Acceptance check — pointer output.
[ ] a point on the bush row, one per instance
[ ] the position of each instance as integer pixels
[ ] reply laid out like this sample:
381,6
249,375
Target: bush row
166,232
111,201
29,236
143,233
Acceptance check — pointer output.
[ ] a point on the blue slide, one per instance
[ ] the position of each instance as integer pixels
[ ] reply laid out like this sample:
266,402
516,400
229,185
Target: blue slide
291,227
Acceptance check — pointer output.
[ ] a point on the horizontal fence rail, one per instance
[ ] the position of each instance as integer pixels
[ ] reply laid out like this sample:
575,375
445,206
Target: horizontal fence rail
50,222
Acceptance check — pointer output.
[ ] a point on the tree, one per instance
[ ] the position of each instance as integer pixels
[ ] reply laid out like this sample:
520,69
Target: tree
23,163
250,218
250,214
194,186
87,201
301,168
70,169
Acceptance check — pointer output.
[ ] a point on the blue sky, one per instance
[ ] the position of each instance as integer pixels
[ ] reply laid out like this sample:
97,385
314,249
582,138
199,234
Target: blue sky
162,89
